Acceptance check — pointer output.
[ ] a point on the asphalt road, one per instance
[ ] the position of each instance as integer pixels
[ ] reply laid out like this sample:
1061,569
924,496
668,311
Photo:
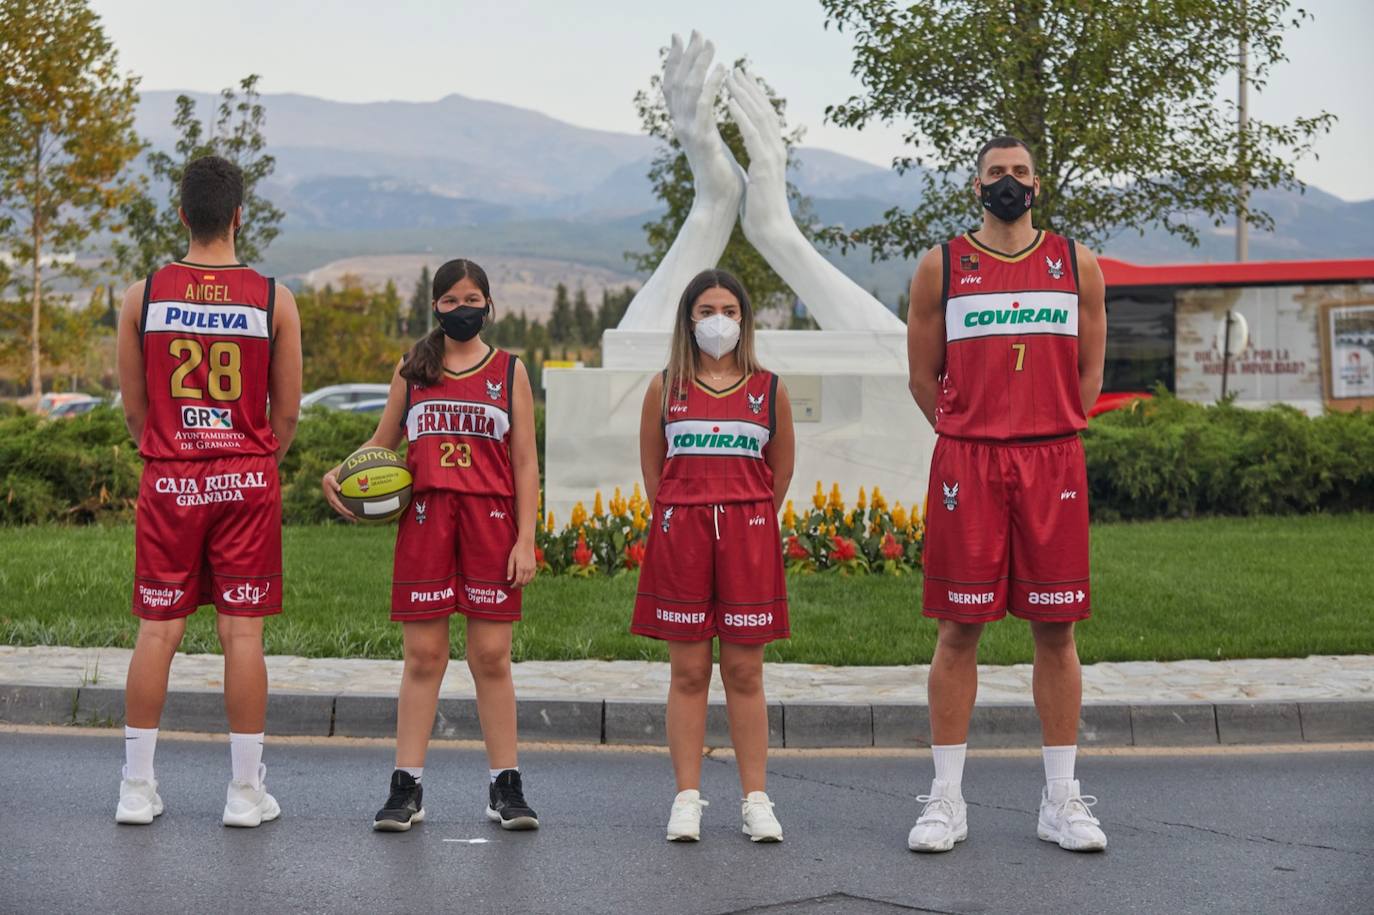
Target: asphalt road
1222,832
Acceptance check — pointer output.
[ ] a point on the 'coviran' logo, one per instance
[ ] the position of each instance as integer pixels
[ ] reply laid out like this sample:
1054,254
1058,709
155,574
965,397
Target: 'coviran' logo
717,440
1016,315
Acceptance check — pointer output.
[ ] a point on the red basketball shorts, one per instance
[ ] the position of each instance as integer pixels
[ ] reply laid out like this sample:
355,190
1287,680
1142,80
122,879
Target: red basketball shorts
208,532
713,570
452,551
1007,529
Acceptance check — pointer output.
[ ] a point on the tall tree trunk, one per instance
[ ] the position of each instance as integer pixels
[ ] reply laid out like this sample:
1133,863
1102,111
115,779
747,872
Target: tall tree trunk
36,362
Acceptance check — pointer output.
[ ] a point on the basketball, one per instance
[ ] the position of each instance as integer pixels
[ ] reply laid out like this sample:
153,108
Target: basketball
374,484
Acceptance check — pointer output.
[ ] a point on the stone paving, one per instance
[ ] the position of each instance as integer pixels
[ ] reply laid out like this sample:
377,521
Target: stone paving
1316,677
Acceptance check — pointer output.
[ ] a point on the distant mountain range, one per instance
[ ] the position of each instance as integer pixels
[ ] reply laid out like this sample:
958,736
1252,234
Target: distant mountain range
406,177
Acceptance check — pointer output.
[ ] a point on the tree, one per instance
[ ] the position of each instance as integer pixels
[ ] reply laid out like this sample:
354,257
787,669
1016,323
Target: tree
672,183
613,305
584,319
421,305
346,334
156,234
66,135
561,319
1117,101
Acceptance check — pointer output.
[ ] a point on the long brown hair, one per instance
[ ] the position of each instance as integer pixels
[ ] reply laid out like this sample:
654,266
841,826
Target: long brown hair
424,364
684,356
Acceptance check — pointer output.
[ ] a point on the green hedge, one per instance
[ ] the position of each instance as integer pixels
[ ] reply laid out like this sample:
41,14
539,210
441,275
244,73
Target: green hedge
1167,458
1158,459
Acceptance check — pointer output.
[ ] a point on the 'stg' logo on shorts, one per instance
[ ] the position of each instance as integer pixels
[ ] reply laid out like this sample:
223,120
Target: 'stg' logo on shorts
206,418
247,593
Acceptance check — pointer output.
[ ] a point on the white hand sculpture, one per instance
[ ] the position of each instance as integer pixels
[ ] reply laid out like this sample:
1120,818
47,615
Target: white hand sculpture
718,183
836,301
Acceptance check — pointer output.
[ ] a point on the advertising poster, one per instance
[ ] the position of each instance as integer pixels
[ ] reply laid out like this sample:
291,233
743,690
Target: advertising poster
1352,351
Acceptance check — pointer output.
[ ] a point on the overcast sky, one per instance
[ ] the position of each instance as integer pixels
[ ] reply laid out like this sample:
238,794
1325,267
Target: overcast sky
583,62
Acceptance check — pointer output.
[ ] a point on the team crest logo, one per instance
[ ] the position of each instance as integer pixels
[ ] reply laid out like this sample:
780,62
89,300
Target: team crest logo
968,262
667,518
1056,267
951,495
755,403
494,389
362,484
419,512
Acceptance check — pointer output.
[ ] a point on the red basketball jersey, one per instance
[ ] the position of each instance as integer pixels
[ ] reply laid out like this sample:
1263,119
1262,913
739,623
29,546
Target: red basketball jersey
1011,341
459,429
207,345
717,441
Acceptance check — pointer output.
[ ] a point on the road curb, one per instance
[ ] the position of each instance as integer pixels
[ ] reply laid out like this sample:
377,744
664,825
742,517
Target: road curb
812,724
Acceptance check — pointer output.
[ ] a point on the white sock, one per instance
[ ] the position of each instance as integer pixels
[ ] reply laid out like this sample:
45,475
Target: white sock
413,771
245,755
949,764
139,744
495,772
1059,763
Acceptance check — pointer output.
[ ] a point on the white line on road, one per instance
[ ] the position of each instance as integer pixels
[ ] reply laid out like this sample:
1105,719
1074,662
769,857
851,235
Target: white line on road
469,841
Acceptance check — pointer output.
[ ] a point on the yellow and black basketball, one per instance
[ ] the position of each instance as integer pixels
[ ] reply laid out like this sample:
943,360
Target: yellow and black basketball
374,484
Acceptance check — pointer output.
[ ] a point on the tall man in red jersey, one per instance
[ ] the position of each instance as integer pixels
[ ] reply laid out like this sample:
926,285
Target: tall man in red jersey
1006,338
204,344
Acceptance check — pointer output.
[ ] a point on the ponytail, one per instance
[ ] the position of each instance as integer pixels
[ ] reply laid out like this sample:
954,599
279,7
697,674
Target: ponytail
424,364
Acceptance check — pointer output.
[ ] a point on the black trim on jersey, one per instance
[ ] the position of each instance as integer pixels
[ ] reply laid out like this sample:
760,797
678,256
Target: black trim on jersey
510,388
147,298
475,367
772,406
1039,237
721,392
405,416
1073,261
210,266
271,307
944,280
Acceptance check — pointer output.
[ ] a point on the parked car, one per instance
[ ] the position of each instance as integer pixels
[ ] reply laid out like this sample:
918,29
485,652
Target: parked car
341,396
376,405
69,408
50,401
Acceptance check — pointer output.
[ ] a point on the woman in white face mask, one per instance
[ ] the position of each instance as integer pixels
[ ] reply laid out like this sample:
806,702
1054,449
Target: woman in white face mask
716,448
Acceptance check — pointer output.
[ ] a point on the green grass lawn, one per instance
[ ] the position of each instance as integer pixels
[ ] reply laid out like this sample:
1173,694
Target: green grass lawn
1211,588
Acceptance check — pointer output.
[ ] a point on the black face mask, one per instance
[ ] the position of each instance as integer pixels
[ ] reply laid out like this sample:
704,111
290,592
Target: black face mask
1007,199
462,323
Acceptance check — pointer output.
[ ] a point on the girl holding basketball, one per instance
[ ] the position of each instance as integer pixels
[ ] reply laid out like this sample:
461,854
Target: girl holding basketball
716,448
466,542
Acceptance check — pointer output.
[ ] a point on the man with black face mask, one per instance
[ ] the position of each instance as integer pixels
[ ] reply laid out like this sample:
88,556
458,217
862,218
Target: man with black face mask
1005,339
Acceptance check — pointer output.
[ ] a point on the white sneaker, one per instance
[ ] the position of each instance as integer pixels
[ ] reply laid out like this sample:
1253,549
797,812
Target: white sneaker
684,823
943,821
248,806
759,823
138,800
1066,819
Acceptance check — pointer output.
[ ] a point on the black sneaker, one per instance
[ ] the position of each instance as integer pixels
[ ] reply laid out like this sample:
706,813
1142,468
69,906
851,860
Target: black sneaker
405,805
507,803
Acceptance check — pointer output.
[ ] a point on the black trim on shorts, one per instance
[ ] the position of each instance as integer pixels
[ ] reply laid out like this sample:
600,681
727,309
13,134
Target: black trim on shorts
772,406
143,315
944,280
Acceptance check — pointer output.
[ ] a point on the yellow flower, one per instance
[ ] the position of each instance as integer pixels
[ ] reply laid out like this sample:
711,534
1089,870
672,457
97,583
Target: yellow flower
597,509
863,500
899,516
579,515
832,530
848,519
836,500
637,519
636,498
879,503
924,499
549,527
617,503
818,499
789,516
